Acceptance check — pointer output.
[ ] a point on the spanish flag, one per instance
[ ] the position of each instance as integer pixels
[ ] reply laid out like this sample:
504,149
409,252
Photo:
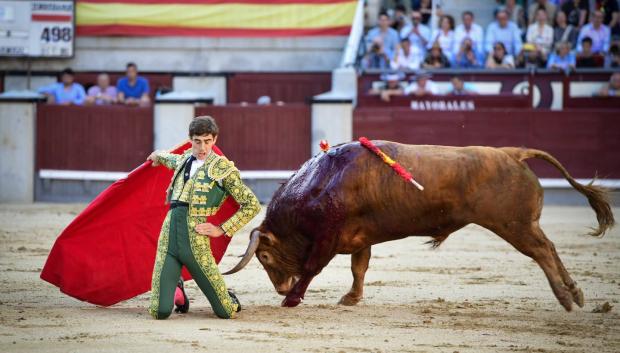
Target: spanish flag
214,18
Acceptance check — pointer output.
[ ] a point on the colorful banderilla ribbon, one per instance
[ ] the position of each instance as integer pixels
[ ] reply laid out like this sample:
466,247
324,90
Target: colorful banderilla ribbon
389,161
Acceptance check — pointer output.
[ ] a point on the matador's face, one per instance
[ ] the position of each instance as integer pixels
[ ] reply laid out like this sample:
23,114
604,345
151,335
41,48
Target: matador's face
202,145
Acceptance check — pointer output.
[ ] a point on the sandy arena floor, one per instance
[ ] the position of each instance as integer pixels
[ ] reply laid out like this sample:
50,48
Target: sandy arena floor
474,294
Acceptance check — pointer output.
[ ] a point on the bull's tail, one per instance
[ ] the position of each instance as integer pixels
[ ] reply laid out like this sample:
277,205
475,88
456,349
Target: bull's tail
598,196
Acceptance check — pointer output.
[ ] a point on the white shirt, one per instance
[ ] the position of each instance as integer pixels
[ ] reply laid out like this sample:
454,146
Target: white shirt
196,163
543,39
408,62
430,86
475,33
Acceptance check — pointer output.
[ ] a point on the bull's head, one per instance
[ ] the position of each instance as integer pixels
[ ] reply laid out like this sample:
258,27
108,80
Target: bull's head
277,259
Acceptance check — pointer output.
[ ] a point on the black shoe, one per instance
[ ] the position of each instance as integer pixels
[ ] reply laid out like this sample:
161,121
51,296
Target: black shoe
235,300
183,309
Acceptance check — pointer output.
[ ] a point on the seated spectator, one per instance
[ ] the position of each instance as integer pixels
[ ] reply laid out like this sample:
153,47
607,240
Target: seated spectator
133,89
390,86
400,18
435,59
611,13
564,31
598,32
504,31
376,58
498,58
612,89
418,34
444,36
65,92
586,58
422,85
460,88
466,57
612,60
576,12
407,57
562,58
101,93
516,13
530,57
540,33
549,8
468,30
389,37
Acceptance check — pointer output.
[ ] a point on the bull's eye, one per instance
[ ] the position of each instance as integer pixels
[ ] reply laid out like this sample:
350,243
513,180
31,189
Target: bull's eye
264,257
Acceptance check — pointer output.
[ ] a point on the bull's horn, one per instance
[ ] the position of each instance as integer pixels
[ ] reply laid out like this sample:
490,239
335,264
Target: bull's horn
249,252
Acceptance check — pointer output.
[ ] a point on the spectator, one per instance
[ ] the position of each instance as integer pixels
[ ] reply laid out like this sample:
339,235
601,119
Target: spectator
587,58
400,18
504,31
65,92
544,4
562,58
468,30
390,86
102,92
466,58
444,36
499,58
407,57
597,31
540,33
435,59
389,37
425,8
612,89
530,57
422,85
576,12
418,34
460,88
610,10
376,58
563,31
612,60
516,13
133,89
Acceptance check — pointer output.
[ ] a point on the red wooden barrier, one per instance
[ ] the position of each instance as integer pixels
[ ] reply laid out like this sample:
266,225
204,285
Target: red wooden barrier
585,144
263,137
589,102
108,138
285,87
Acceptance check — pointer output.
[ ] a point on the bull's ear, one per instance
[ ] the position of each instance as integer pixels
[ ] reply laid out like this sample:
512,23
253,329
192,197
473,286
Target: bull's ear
267,238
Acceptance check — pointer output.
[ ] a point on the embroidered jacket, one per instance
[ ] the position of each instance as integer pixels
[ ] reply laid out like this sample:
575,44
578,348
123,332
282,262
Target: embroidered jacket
206,190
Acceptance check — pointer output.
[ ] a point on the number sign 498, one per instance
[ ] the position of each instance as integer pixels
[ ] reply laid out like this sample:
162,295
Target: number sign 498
56,34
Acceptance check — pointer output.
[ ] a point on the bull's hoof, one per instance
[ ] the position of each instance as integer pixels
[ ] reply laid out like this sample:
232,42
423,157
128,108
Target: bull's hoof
291,302
349,300
577,296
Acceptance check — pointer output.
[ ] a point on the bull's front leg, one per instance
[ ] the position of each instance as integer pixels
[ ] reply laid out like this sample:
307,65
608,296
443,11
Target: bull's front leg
320,255
359,265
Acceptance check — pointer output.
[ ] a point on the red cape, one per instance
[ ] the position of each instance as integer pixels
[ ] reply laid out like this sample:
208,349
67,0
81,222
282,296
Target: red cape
106,255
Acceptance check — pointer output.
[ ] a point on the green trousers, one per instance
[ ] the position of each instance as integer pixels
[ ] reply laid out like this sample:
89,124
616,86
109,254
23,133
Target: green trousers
178,246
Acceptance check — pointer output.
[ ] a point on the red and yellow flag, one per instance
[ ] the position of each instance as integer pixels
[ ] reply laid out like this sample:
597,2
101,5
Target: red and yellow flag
214,18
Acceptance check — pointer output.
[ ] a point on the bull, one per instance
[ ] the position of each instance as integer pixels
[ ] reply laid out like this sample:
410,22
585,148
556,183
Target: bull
346,200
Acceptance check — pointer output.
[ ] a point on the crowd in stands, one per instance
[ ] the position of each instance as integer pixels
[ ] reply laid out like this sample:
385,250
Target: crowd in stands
554,34
130,90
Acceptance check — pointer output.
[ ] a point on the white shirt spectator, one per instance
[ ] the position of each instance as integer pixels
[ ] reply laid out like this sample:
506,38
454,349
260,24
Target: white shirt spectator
541,37
419,39
410,61
446,42
429,86
600,37
475,33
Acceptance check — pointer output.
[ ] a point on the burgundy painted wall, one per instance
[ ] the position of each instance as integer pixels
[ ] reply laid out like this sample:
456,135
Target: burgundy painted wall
263,137
586,143
285,87
111,138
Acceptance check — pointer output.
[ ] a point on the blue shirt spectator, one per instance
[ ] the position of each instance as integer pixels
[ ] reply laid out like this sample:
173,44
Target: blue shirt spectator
65,92
418,34
563,58
133,89
389,36
598,32
503,31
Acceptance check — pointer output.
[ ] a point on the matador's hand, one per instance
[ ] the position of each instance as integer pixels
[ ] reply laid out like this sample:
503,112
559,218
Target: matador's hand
209,229
153,157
